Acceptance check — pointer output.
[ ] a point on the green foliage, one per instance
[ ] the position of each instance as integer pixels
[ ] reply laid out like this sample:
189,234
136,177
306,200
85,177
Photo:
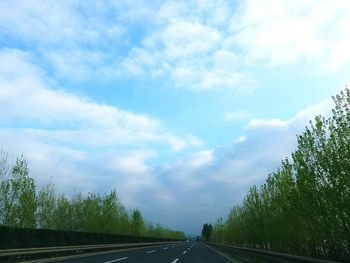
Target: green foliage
162,232
137,222
18,197
4,174
46,206
304,207
206,231
24,207
218,230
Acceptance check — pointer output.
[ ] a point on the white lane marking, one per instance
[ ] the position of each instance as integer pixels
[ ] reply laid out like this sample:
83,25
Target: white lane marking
165,247
152,251
184,252
115,260
176,260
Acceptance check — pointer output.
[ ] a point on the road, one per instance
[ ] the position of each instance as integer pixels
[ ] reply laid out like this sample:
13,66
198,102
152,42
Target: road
186,252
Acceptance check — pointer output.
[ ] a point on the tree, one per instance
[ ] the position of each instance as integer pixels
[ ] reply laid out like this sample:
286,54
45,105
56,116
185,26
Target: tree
47,202
206,231
115,218
137,222
4,174
18,194
218,230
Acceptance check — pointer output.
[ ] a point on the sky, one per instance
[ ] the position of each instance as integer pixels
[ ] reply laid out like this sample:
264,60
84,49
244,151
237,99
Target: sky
180,106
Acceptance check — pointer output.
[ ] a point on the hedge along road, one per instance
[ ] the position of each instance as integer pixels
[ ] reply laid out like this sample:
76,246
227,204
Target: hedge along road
186,252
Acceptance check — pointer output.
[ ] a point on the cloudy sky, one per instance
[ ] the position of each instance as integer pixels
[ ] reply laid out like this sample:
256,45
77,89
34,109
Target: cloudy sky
178,105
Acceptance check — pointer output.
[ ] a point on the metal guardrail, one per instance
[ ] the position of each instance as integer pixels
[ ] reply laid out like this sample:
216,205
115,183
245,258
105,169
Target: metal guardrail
24,253
267,255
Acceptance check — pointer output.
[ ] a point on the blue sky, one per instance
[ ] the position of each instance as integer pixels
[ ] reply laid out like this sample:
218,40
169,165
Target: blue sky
179,105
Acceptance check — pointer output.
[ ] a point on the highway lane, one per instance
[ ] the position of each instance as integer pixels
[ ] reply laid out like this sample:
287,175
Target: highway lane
186,252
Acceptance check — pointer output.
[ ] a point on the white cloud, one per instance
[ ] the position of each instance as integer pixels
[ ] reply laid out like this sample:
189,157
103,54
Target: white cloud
299,120
179,143
43,22
204,45
235,115
78,41
198,45
78,63
186,38
284,32
197,160
67,136
240,139
79,24
172,11
132,162
188,61
271,122
185,47
29,102
215,13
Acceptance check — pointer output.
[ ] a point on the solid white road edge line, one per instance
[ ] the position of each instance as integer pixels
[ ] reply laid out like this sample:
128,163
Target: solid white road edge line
222,254
115,260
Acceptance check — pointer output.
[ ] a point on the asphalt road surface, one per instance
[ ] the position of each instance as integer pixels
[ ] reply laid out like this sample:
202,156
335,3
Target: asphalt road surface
186,252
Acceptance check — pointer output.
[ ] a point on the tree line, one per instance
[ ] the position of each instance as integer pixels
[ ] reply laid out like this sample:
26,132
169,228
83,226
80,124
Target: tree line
303,207
23,205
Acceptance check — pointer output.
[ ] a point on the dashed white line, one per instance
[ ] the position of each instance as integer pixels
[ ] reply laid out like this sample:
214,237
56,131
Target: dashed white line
165,248
115,260
152,251
176,260
184,252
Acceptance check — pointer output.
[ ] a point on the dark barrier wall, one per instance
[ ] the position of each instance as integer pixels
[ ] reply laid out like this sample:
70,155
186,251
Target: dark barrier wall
25,237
